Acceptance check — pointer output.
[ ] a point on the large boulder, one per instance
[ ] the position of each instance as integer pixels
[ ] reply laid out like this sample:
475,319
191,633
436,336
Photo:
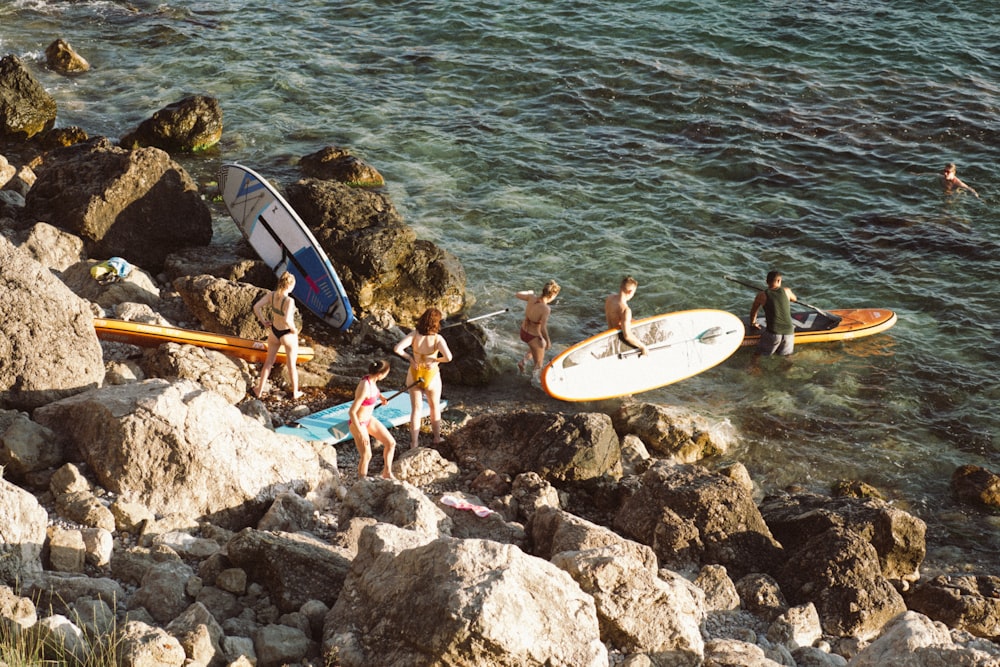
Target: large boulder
137,287
192,124
25,108
294,568
977,486
554,531
337,164
22,534
465,603
52,247
571,448
692,517
898,537
672,432
179,448
964,602
26,447
224,306
48,348
839,572
225,375
384,267
638,611
60,57
397,503
913,640
140,205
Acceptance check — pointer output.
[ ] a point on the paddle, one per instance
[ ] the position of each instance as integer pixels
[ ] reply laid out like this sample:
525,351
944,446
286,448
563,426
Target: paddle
405,389
835,318
473,319
708,336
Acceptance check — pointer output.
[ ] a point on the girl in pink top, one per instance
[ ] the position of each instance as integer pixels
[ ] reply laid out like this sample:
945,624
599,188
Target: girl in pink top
363,426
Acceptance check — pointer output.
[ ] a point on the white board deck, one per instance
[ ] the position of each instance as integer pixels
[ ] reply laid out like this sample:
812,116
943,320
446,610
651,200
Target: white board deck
681,345
284,243
332,425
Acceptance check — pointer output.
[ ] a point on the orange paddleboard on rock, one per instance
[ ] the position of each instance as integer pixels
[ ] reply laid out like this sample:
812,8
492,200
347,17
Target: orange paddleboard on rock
153,335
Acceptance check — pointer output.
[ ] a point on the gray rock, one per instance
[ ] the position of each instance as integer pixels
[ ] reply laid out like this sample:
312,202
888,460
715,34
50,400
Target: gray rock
294,568
839,572
461,603
676,511
178,448
51,318
23,523
139,205
637,611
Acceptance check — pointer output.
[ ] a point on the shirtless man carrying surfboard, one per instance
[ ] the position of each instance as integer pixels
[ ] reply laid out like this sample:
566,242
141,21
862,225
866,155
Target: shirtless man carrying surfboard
619,315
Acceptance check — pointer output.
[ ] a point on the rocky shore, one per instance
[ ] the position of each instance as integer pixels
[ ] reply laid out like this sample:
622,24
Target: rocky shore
150,513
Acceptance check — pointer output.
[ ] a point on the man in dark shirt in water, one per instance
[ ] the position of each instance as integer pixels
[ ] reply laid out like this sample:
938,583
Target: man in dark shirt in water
778,336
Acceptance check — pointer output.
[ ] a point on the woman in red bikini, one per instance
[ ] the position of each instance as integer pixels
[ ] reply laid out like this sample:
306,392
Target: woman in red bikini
279,319
363,426
534,328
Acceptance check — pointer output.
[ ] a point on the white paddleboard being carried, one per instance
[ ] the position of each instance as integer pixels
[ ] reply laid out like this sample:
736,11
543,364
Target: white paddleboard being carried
680,345
333,424
284,243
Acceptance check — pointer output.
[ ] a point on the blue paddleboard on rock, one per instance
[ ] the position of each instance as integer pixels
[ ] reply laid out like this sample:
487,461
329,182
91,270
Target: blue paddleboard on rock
332,425
284,243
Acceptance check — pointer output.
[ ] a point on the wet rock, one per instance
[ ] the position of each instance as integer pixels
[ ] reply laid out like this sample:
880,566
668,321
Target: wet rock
60,57
977,486
673,432
25,108
382,264
192,124
337,164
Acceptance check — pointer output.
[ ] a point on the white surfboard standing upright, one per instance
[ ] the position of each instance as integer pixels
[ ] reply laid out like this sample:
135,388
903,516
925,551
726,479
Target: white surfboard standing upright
284,243
680,345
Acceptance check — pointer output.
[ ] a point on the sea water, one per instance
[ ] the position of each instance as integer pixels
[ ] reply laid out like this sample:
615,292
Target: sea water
680,142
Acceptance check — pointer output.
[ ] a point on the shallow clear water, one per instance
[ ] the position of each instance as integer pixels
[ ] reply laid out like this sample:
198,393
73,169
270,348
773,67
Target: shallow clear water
677,141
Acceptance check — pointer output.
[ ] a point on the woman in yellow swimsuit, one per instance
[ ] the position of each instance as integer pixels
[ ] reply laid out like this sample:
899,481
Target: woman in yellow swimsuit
534,328
276,311
428,349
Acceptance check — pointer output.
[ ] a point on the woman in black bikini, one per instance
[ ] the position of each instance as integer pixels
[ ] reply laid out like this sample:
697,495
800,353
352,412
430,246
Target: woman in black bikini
276,311
534,328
